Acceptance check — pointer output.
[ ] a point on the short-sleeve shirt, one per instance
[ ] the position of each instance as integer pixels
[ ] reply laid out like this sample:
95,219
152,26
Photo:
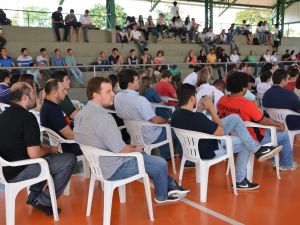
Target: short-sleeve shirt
130,105
67,106
114,59
234,58
164,88
57,16
202,58
85,19
71,18
70,61
247,110
279,98
251,58
94,126
4,93
197,121
211,58
152,96
52,117
57,61
24,61
6,62
191,79
19,129
42,61
209,90
290,86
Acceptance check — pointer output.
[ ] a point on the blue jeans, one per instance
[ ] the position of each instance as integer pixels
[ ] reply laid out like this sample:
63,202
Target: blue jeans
155,167
141,45
61,167
242,143
77,75
206,47
165,149
286,155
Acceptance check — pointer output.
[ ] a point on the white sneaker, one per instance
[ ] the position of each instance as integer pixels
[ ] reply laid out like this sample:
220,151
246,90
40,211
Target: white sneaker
169,199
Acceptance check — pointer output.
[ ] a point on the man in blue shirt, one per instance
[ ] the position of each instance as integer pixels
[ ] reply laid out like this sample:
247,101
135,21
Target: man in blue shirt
279,98
53,117
58,60
4,87
6,61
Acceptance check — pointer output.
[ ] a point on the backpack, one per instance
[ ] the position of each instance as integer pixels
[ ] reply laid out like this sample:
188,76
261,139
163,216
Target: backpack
255,41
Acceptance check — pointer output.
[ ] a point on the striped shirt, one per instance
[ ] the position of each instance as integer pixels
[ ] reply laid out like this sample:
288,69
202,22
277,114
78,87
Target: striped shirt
24,61
4,93
130,105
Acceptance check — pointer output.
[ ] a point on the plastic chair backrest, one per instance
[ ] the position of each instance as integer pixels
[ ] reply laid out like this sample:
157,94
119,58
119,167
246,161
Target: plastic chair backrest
189,141
3,106
2,164
280,114
135,130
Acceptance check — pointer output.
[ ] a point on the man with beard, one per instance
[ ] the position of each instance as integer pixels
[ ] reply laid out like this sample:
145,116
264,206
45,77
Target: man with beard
20,140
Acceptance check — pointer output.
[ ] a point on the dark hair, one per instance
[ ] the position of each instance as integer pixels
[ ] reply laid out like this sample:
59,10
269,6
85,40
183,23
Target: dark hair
219,83
27,78
69,49
3,74
265,76
174,3
71,10
16,94
242,65
166,74
56,50
59,8
236,81
279,75
113,79
94,85
125,77
59,75
293,71
23,49
87,11
184,93
266,67
51,85
42,49
114,49
132,50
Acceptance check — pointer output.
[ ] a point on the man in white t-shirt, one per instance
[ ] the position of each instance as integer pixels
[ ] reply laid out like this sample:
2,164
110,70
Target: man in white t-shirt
234,57
192,77
175,10
267,56
209,90
43,61
136,36
86,23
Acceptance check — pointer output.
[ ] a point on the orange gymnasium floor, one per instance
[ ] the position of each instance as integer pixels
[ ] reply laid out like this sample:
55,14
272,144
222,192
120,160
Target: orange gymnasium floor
276,202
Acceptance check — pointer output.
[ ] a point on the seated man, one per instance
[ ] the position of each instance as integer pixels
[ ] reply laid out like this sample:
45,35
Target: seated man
20,140
66,105
5,60
86,23
130,105
94,126
4,87
58,60
52,116
243,143
279,98
58,22
24,60
136,36
116,58
237,84
70,60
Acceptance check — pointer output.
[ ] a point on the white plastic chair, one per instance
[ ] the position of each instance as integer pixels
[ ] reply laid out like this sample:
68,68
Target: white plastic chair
12,189
38,118
189,141
259,100
3,106
135,130
57,140
158,105
77,104
166,99
273,142
93,154
280,115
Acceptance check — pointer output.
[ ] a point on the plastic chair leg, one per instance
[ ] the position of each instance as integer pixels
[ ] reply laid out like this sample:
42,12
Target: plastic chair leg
250,165
204,170
90,196
108,194
53,198
10,198
148,196
86,168
277,166
67,189
197,172
122,193
183,160
232,172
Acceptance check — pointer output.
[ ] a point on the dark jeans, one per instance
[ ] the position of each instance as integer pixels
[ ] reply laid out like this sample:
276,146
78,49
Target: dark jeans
61,167
56,30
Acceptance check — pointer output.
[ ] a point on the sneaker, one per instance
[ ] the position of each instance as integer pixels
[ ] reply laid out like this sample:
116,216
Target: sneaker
267,152
169,199
45,209
189,164
292,167
246,185
177,191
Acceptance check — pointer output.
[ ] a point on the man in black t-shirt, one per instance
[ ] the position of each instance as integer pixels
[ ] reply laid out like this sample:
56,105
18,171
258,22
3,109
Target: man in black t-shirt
20,140
53,117
58,22
243,143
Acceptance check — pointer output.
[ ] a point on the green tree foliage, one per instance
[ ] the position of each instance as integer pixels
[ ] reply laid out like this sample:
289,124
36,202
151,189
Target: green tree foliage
36,16
253,16
98,14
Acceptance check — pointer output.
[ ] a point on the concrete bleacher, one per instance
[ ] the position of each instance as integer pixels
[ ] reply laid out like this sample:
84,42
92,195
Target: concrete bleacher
101,40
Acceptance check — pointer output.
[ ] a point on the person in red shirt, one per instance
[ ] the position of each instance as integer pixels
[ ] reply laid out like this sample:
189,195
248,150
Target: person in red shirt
165,88
235,103
294,73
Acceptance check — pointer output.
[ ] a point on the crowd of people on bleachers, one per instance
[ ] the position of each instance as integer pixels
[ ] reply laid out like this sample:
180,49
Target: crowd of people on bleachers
217,108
